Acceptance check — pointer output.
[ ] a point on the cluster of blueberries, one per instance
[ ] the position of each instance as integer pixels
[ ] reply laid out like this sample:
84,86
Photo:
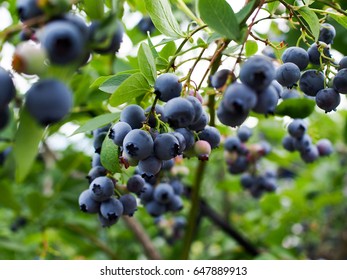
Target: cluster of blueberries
261,85
241,158
8,93
63,40
100,197
299,140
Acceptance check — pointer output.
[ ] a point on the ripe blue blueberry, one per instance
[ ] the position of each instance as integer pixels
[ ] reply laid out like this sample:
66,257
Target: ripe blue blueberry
328,99
87,203
111,209
118,132
311,82
167,86
297,128
219,79
327,33
166,146
95,172
138,144
239,98
163,193
136,184
315,55
288,74
324,147
134,115
340,81
129,204
267,101
231,118
296,55
211,135
179,112
8,90
101,188
149,167
244,133
28,9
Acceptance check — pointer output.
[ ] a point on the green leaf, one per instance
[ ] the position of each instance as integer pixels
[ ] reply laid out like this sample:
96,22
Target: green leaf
340,19
168,50
131,88
310,18
99,81
251,48
94,9
296,108
163,18
272,7
245,12
36,202
109,156
220,16
147,63
97,122
111,85
26,144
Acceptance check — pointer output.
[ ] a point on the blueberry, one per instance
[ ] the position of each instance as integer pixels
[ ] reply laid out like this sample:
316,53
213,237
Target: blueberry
303,143
48,101
163,193
98,141
179,112
238,166
310,155
167,86
181,141
188,136
343,63
278,87
267,101
211,135
297,128
315,55
101,188
200,123
4,117
288,143
177,186
219,79
134,115
232,144
118,132
8,90
155,209
327,33
147,193
129,204
297,56
87,203
103,41
106,222
247,180
168,164
138,144
290,94
63,42
340,81
311,82
28,9
166,146
135,184
159,111
175,204
149,167
257,72
96,160
111,209
95,172
324,147
197,107
244,133
146,25
288,74
100,130
239,98
328,99
230,118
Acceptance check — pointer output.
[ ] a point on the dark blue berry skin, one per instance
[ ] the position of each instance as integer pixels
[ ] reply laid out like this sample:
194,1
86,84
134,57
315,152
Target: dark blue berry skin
96,160
211,135
340,81
159,110
129,204
247,180
111,209
296,55
98,141
167,86
166,146
175,204
297,128
188,136
146,25
257,72
232,144
48,101
325,148
314,54
163,193
244,133
310,155
101,188
328,99
177,186
147,193
303,144
288,74
343,63
267,101
200,123
134,115
168,164
181,141
239,98
149,167
118,132
230,118
87,203
290,94
100,130
102,44
288,143
8,90
155,209
239,166
95,172
327,33
179,112
4,117
197,107
63,42
277,86
311,82
138,144
28,9
135,184
106,222
219,79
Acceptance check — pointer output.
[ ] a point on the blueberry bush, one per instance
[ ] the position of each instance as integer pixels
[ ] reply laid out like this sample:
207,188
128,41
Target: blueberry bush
191,129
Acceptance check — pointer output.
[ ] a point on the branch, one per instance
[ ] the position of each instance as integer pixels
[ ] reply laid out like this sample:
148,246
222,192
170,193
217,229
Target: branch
150,251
